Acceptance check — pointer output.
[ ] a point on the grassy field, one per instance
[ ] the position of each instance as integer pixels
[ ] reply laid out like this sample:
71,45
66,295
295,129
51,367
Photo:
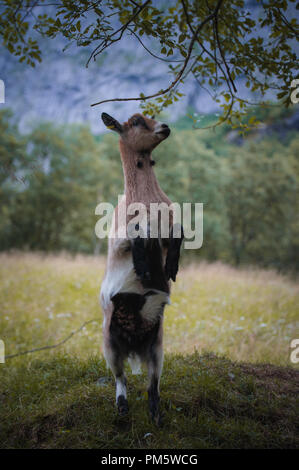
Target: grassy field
227,381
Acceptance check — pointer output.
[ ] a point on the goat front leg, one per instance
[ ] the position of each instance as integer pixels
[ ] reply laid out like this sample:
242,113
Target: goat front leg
116,364
140,258
173,253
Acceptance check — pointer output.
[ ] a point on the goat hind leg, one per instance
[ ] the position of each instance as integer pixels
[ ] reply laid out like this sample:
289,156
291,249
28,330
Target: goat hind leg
121,394
155,363
116,364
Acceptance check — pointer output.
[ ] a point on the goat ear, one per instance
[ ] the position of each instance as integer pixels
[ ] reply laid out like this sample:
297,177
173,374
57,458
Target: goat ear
112,123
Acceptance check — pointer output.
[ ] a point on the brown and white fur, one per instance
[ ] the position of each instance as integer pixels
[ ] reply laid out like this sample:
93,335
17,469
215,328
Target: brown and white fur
136,285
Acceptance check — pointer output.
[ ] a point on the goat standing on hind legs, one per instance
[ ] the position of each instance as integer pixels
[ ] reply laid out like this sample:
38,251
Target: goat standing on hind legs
136,285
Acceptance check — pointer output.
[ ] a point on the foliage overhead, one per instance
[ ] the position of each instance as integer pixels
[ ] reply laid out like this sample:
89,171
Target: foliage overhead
215,41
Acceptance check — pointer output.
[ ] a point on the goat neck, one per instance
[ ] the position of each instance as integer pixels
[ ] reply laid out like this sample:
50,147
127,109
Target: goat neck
141,184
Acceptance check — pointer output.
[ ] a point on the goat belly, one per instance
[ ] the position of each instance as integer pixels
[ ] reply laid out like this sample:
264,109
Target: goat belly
129,330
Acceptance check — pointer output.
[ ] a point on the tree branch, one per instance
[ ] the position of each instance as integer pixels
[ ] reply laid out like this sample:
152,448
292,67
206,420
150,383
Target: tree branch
214,58
42,348
108,41
149,51
179,75
287,23
222,55
218,123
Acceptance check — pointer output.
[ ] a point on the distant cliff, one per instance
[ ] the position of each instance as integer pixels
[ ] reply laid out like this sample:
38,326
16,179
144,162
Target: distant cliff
61,88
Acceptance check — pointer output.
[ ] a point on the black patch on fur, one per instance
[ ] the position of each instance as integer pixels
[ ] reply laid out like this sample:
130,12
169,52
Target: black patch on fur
148,265
173,255
144,153
129,332
157,274
111,123
140,258
142,122
134,302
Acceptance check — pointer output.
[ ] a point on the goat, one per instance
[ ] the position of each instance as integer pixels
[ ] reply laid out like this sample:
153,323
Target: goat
136,284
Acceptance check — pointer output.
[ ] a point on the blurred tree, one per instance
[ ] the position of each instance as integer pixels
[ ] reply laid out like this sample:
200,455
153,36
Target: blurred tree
15,164
215,41
198,175
13,157
54,210
262,202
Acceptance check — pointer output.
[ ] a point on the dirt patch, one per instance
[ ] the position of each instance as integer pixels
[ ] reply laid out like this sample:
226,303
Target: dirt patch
277,379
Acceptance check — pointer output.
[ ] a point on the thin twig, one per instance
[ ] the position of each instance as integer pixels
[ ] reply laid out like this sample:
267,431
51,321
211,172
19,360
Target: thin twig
104,44
10,356
149,51
286,22
214,58
179,75
136,4
222,55
218,123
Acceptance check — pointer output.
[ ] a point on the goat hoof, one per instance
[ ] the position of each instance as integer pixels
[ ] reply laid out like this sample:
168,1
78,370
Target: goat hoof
157,419
122,405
